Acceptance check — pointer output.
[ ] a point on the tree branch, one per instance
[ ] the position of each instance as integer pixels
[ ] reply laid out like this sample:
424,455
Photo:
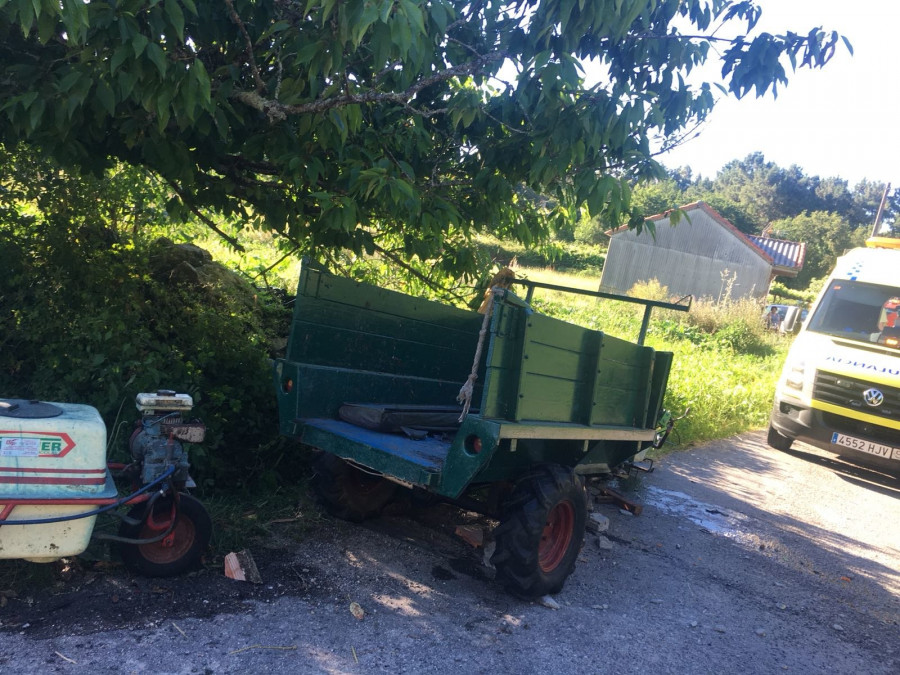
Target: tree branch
416,273
233,15
277,111
277,263
203,218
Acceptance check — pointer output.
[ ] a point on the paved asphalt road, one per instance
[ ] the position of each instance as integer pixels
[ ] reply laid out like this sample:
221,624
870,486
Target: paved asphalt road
744,560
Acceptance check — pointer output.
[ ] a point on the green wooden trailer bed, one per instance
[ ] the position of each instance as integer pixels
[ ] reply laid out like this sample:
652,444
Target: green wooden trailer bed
371,378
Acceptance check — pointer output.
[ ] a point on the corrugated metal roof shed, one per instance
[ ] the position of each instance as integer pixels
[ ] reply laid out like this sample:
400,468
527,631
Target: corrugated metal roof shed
786,254
704,255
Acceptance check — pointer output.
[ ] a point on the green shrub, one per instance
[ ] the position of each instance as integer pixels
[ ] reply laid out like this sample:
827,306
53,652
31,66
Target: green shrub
727,392
92,320
650,290
741,336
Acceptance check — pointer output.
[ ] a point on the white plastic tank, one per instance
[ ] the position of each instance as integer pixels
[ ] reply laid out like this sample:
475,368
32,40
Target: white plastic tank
52,464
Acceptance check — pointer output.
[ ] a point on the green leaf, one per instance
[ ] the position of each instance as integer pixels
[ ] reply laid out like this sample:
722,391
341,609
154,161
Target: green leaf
72,104
541,59
338,120
25,99
163,112
277,27
26,16
106,97
46,27
414,15
407,170
126,80
599,196
176,17
201,77
35,112
403,187
309,51
67,82
327,8
158,56
188,92
440,15
221,123
139,44
386,7
118,58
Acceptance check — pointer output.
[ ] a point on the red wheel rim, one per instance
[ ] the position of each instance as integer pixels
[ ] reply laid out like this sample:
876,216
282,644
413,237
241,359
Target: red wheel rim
557,536
182,538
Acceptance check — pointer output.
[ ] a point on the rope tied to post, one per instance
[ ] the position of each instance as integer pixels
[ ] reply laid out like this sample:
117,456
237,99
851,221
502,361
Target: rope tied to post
466,391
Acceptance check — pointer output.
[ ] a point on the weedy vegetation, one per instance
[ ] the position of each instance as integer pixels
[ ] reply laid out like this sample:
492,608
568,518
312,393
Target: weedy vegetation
725,365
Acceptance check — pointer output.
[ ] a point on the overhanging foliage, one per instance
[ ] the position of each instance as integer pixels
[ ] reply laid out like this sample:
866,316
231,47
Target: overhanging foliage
374,123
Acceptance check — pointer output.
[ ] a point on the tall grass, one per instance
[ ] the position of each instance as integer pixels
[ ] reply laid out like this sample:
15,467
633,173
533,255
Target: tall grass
725,363
727,392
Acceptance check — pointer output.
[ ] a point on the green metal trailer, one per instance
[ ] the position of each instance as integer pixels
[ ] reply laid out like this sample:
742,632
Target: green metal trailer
371,377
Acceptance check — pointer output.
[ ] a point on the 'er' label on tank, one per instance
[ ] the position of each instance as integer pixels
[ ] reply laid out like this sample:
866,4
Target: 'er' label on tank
39,444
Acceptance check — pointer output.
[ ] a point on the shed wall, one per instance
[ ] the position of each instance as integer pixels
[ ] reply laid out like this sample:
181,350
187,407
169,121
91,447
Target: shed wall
699,257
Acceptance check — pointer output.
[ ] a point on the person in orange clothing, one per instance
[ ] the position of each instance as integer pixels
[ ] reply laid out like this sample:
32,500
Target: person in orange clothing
889,313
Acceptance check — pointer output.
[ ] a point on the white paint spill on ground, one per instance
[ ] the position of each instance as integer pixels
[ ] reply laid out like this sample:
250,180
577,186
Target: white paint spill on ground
714,519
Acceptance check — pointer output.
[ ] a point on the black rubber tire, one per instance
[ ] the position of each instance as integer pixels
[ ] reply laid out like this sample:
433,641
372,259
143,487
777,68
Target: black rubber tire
347,492
541,532
777,441
193,530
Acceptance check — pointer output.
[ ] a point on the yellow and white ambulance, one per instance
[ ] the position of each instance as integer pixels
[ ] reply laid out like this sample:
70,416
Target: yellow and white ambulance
840,387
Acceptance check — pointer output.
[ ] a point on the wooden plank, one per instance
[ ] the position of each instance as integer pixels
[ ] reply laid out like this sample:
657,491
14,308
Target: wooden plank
662,364
415,462
346,324
428,453
503,364
321,390
553,361
547,398
617,383
444,331
644,380
330,346
333,301
613,405
362,296
554,332
577,432
556,363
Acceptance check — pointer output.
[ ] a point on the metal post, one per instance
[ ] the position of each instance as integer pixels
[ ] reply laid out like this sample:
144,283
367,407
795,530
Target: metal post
880,210
645,322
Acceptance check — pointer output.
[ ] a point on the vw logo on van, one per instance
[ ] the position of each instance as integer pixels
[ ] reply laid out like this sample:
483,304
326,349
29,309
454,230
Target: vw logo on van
873,397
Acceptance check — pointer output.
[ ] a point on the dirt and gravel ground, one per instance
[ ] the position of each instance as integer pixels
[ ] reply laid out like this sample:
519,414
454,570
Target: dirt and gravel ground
743,560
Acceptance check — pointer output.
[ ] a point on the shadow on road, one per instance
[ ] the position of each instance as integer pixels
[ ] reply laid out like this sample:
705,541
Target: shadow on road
835,533
872,479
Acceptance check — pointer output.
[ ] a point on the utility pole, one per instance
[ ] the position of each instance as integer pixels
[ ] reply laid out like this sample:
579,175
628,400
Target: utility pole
880,210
